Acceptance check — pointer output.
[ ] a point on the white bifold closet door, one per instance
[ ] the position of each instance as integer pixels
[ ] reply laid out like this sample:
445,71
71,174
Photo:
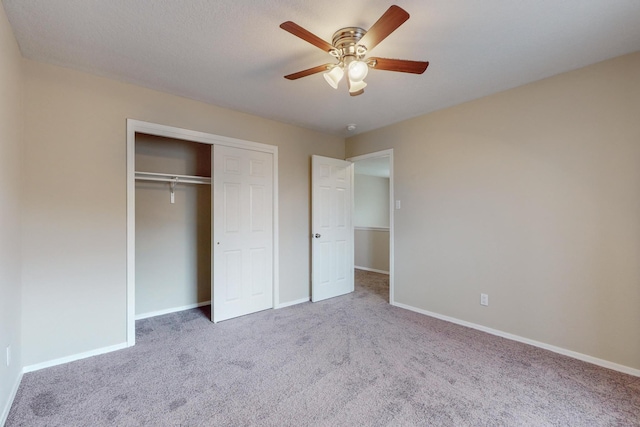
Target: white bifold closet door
242,230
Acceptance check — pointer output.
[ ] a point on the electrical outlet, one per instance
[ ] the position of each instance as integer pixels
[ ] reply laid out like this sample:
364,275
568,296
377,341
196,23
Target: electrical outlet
484,299
8,355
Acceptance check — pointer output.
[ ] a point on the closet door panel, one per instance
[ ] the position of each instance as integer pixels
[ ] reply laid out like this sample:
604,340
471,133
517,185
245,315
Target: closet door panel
232,275
257,208
259,283
242,232
231,208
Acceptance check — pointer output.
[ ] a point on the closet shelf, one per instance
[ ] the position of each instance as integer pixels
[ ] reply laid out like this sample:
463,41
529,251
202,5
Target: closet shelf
172,178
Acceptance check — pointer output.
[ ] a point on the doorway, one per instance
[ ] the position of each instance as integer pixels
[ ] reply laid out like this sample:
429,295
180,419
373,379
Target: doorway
374,214
257,167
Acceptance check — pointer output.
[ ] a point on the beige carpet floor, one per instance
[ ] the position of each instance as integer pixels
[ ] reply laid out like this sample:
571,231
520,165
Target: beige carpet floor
348,361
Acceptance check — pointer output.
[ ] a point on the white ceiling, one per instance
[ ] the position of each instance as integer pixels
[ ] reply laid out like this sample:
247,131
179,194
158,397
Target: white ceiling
232,53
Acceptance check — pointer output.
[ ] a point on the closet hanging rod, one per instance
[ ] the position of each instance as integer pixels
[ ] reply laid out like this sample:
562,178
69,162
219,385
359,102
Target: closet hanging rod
168,177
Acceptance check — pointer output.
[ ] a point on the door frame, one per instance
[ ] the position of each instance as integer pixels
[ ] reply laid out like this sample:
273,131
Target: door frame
385,153
137,126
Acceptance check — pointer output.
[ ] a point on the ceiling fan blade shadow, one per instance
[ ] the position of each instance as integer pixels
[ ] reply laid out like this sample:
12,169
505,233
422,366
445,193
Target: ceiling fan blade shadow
387,24
305,35
400,65
308,72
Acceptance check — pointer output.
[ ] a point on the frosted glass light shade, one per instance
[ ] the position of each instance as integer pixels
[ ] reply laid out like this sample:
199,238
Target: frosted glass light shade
334,76
358,71
356,86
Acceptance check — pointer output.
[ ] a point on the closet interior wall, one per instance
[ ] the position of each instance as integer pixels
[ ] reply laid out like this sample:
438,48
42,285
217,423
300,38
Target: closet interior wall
172,240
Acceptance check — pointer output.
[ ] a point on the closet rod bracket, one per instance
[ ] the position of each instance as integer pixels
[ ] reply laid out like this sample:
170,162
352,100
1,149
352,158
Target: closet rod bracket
172,185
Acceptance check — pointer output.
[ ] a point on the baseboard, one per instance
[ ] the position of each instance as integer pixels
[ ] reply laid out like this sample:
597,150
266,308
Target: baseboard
290,303
12,396
74,357
171,310
574,354
371,269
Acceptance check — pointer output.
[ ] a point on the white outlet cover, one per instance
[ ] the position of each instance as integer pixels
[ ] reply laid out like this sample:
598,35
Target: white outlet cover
484,299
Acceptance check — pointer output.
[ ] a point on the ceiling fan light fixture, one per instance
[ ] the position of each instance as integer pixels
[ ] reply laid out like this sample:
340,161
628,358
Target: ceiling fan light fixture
334,76
358,70
350,46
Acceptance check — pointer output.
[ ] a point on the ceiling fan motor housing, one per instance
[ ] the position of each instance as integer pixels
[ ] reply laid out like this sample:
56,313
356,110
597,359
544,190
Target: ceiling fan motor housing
346,41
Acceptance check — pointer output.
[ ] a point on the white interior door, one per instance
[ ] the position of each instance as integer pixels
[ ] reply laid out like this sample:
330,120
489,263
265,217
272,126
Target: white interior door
242,232
332,227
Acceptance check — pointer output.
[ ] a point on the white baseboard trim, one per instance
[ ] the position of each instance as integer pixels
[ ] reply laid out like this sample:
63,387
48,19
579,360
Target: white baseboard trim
290,303
74,357
574,354
171,310
12,396
357,267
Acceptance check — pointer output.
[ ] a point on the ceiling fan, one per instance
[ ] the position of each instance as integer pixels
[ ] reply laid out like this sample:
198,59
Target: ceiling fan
350,46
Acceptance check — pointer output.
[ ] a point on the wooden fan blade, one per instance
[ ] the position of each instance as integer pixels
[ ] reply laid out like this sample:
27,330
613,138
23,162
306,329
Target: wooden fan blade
305,35
308,72
387,24
401,65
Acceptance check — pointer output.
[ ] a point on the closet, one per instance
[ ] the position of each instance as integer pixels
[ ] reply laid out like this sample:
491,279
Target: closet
201,223
172,225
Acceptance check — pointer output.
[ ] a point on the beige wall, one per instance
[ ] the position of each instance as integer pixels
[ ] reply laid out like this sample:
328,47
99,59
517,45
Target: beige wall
371,249
173,240
533,196
371,209
75,201
371,201
11,126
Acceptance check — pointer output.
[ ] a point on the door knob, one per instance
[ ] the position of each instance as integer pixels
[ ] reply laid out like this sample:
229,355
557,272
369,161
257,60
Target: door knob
317,236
